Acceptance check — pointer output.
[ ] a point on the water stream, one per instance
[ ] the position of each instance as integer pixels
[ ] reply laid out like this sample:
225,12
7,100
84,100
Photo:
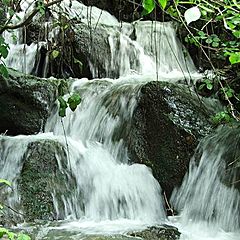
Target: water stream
111,195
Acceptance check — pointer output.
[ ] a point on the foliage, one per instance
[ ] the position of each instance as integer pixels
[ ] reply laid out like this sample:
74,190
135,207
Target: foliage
40,7
72,102
3,55
222,117
13,236
213,26
5,232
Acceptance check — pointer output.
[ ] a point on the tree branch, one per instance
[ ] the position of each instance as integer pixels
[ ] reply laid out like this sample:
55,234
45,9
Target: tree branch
28,19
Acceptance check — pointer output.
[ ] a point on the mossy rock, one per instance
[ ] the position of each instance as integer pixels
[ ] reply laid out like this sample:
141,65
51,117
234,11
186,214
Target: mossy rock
26,103
41,176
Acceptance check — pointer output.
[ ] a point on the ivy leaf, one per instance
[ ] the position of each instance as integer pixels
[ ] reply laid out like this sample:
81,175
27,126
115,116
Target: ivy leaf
148,6
63,106
74,101
3,51
236,34
163,3
6,182
192,14
3,71
234,58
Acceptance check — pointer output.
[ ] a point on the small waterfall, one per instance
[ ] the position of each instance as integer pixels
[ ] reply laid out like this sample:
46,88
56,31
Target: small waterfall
21,56
110,188
107,186
208,193
142,48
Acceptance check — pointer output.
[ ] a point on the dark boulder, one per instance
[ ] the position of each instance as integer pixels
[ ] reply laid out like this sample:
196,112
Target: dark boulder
167,124
164,232
26,103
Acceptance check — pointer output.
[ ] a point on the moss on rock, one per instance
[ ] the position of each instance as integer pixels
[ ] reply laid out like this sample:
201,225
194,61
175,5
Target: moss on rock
40,178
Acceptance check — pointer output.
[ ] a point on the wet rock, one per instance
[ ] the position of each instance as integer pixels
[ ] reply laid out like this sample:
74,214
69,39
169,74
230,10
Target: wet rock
41,179
230,142
91,45
26,102
163,232
167,124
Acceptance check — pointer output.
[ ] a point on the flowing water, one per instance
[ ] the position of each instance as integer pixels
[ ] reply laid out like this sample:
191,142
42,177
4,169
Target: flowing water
112,196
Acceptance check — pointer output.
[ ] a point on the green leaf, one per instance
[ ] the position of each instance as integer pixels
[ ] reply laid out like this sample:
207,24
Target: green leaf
148,6
11,12
234,58
3,51
6,182
215,44
11,235
63,107
3,231
22,236
209,40
74,101
55,54
3,71
230,92
163,3
209,86
6,2
236,34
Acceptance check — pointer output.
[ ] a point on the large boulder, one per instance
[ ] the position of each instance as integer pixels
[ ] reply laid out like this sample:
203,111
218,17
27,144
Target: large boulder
26,103
167,124
42,178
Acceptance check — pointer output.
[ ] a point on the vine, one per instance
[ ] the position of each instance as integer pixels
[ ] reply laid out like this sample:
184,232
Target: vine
212,26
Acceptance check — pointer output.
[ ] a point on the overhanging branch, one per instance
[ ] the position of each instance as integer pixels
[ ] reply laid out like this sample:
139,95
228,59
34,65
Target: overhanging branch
28,19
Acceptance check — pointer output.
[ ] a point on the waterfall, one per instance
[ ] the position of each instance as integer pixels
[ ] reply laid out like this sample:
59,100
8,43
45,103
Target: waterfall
142,47
107,186
208,192
111,188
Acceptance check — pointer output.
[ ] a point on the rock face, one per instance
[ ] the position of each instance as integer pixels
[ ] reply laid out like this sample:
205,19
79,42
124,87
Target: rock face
167,125
26,103
40,178
163,232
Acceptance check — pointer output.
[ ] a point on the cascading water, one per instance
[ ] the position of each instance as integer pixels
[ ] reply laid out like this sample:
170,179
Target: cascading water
108,189
111,189
208,197
142,48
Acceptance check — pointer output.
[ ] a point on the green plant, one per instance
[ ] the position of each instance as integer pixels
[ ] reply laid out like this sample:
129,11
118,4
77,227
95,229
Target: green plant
3,55
72,102
222,117
213,26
